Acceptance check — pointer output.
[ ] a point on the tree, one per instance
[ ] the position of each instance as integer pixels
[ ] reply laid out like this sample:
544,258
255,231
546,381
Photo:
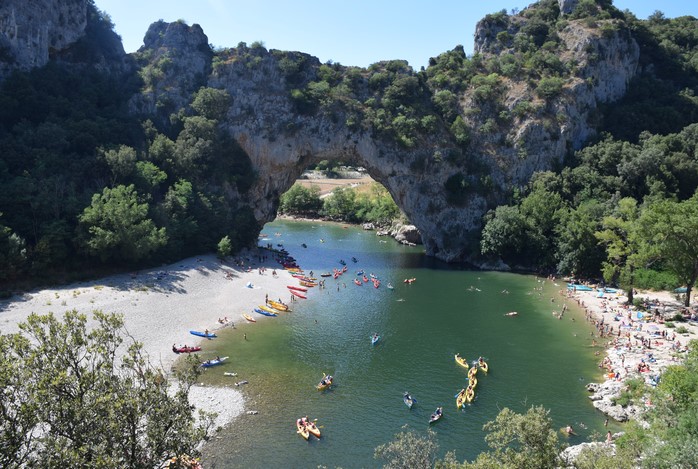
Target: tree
118,226
73,397
672,227
301,200
621,237
341,204
225,247
504,234
211,103
520,440
409,450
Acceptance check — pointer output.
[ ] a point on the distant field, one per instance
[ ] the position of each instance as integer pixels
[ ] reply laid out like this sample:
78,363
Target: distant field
328,185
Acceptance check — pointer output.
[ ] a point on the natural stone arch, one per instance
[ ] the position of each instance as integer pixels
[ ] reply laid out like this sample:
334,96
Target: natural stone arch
443,195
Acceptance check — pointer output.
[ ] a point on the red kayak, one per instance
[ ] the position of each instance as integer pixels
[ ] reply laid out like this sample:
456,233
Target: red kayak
298,294
186,349
292,287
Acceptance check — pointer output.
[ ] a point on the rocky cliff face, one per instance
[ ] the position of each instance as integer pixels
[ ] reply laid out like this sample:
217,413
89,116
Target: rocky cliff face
282,142
506,146
32,30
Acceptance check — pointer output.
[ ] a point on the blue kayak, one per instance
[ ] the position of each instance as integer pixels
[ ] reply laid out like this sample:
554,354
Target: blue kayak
260,311
214,362
210,335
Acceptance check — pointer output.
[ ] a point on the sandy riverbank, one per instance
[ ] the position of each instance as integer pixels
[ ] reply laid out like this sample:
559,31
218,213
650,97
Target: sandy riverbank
161,305
636,345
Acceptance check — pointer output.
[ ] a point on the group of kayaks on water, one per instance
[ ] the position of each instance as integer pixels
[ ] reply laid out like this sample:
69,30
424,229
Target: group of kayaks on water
467,395
307,427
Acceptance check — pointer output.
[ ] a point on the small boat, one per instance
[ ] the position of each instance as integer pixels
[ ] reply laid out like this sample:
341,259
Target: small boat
359,273
268,309
248,317
304,245
408,400
438,413
365,279
358,282
306,283
461,361
294,287
326,274
325,382
354,259
208,335
186,349
483,365
298,294
472,382
472,372
312,428
375,338
214,362
302,429
390,286
460,398
409,280
278,305
469,394
265,313
341,261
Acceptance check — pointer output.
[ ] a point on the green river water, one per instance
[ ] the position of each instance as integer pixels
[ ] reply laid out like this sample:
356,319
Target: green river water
534,358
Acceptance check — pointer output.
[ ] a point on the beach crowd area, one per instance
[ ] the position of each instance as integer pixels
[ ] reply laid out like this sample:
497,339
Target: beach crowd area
161,305
634,343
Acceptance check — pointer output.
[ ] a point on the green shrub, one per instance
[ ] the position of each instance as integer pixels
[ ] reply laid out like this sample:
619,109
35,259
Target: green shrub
681,330
550,87
648,279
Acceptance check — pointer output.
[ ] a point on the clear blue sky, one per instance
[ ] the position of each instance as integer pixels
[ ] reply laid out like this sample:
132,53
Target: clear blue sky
356,32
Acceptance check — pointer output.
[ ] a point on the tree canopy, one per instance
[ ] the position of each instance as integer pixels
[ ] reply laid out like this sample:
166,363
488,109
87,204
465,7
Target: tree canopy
73,396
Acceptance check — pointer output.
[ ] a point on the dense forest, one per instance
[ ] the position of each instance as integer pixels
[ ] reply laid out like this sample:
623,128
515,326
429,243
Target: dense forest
86,185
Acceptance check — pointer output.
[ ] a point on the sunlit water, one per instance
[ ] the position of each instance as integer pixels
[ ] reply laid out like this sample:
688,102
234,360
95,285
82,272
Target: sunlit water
534,358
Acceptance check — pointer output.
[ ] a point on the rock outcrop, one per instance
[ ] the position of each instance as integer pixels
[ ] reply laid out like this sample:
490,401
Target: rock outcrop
31,31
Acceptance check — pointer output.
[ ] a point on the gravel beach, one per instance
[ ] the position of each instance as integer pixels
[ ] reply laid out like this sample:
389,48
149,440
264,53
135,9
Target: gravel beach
639,344
161,305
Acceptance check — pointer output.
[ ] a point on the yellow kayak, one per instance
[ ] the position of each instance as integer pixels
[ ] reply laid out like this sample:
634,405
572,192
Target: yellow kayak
312,428
460,399
302,429
473,382
461,361
469,394
277,305
268,309
324,383
472,372
248,317
483,365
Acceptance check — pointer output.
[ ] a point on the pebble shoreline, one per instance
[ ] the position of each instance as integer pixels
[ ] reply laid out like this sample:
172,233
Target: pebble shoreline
636,346
161,305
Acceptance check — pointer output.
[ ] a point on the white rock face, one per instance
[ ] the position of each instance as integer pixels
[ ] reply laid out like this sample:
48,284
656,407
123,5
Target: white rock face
31,29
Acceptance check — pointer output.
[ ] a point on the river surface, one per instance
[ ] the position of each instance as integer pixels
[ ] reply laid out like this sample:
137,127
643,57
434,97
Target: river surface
534,358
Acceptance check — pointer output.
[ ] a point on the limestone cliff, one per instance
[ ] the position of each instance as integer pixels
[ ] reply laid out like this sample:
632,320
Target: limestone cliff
289,111
32,30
